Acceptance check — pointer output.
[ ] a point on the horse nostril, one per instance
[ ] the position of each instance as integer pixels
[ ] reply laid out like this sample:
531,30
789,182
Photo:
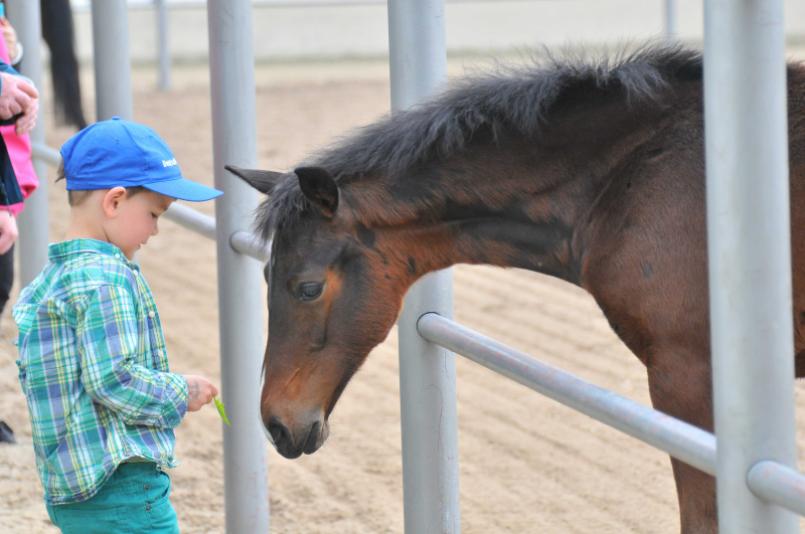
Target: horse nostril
278,431
311,443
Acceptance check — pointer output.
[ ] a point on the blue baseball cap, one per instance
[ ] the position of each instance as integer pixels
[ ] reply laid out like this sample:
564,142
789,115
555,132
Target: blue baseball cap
118,152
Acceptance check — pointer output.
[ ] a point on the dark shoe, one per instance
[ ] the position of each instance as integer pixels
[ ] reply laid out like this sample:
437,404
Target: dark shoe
6,434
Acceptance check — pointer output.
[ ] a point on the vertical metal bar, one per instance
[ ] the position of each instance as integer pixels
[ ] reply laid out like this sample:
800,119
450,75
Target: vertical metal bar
669,20
749,254
427,371
163,46
32,248
110,45
241,309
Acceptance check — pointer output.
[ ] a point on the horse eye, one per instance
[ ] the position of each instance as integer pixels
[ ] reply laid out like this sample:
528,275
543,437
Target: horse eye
309,290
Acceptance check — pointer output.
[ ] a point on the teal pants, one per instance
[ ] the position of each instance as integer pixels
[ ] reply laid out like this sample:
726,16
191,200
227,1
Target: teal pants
135,499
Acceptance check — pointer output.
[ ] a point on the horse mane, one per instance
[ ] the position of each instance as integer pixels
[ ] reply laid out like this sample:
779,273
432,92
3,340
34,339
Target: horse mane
518,99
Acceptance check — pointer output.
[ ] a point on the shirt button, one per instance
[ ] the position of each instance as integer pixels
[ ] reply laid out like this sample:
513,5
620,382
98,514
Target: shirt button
146,487
147,507
151,314
117,256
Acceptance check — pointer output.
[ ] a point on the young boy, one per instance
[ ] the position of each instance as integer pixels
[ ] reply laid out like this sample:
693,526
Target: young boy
92,365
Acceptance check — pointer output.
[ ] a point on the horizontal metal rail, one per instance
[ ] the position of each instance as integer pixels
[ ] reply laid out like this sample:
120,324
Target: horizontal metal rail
251,245
49,155
779,484
769,480
681,440
192,220
243,242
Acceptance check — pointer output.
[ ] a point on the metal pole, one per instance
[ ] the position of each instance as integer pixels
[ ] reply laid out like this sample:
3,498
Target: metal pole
670,29
778,483
681,440
749,254
427,371
163,46
32,248
49,156
110,45
241,309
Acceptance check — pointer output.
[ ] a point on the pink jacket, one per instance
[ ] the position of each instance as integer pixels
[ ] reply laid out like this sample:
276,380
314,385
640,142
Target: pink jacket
19,151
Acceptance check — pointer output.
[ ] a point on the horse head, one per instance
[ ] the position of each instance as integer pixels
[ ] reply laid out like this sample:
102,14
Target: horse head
330,299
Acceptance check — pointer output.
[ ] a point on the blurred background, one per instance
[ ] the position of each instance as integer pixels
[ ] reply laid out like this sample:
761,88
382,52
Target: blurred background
286,30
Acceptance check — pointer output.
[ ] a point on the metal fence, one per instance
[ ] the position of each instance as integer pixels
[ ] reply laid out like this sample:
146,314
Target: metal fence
754,462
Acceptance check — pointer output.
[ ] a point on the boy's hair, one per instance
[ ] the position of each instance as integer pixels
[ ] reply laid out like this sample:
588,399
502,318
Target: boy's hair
76,198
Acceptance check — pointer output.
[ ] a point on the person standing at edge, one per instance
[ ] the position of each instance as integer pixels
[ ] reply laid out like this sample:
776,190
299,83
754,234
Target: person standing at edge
93,367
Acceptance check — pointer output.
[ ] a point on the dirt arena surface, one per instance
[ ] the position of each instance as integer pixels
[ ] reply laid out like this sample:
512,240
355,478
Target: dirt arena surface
527,463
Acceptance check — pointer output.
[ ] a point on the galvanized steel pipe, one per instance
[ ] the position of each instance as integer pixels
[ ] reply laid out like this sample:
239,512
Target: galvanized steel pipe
32,247
778,484
110,49
418,63
240,302
678,438
749,241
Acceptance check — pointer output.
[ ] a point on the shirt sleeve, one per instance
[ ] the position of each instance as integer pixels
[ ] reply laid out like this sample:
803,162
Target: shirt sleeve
108,334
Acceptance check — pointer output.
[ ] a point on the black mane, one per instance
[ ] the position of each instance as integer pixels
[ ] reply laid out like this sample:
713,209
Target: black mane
516,99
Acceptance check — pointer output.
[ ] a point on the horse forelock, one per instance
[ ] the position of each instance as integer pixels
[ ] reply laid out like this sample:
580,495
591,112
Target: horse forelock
282,209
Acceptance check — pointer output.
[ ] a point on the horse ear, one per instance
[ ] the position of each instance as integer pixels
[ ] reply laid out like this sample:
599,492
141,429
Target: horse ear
320,188
263,181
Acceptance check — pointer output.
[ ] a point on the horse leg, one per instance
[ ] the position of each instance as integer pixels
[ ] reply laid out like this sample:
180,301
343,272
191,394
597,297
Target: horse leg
680,386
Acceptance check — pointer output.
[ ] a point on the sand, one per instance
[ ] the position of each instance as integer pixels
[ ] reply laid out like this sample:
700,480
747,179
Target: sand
527,463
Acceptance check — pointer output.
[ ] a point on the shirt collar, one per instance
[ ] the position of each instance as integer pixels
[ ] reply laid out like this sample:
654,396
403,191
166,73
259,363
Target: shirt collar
64,250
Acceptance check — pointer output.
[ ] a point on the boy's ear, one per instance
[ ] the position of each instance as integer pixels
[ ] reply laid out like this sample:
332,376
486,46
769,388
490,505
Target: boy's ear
111,200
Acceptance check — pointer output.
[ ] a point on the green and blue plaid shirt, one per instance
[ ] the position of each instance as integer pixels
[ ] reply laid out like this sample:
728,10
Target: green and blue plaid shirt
94,370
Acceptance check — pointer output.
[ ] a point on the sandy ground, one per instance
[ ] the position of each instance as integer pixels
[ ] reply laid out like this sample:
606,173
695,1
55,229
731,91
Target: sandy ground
527,463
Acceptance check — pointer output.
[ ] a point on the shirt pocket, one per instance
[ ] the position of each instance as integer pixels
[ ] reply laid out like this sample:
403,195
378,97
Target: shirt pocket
156,342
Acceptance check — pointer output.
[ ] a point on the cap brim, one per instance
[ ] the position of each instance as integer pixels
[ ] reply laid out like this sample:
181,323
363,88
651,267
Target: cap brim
184,189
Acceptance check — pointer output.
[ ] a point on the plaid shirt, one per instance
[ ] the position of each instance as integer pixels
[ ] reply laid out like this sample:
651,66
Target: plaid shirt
94,370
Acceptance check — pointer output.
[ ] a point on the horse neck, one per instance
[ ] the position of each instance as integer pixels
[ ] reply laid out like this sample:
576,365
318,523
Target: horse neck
511,203
464,212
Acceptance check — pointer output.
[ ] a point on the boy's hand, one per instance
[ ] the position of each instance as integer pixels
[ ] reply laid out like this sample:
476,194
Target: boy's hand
200,392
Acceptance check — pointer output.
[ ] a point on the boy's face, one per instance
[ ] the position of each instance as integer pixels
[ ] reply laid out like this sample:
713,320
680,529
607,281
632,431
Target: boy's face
135,220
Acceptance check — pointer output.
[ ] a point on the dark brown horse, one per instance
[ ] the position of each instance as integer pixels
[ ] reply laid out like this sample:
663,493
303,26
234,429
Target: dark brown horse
593,173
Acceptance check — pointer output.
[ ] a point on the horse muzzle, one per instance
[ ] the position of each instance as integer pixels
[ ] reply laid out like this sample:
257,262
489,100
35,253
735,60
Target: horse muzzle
306,438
